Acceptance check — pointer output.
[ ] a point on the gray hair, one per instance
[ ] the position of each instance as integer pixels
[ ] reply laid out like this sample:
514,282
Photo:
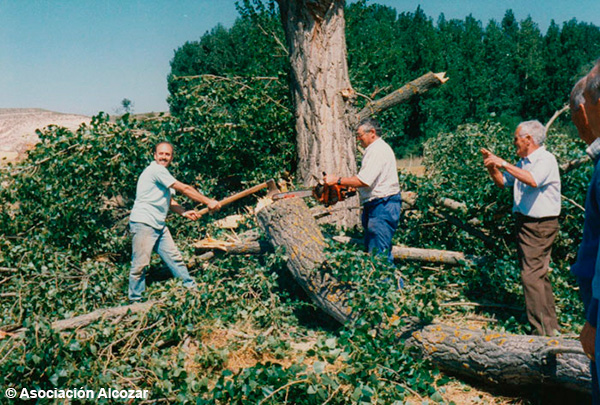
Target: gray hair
577,100
592,84
535,129
368,124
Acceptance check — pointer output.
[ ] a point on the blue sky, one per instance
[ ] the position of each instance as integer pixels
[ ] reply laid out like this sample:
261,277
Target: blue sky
85,56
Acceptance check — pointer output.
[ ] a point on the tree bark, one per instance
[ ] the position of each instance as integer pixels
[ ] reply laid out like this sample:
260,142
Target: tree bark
398,252
422,255
316,39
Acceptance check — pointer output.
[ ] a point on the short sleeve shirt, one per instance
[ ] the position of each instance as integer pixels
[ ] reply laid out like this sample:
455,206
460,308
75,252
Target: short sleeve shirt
543,200
153,196
379,172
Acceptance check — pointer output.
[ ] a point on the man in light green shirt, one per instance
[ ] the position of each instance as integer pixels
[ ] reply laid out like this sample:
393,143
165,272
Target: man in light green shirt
153,201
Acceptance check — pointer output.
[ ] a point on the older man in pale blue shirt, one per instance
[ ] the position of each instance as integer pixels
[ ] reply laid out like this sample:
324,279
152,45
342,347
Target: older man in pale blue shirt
536,186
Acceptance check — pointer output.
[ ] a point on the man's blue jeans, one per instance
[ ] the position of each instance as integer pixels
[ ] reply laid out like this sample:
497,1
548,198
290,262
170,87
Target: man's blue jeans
145,240
380,220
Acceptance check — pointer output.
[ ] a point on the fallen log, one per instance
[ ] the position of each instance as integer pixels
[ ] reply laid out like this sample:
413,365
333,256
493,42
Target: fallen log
289,223
398,252
505,359
483,355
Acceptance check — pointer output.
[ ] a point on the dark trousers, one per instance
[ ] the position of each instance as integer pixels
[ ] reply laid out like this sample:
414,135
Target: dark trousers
534,245
380,220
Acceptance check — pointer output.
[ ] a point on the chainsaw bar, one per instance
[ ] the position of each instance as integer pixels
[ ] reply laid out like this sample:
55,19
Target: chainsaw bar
292,194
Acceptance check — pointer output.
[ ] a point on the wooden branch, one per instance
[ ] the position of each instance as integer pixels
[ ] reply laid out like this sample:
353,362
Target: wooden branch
573,202
289,223
483,355
453,204
574,164
84,320
488,241
417,86
398,252
556,115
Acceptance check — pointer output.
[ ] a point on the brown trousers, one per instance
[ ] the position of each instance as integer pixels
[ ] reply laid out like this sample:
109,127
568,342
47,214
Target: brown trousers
534,245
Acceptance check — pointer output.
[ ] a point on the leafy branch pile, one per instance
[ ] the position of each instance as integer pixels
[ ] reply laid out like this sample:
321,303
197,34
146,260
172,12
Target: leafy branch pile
63,252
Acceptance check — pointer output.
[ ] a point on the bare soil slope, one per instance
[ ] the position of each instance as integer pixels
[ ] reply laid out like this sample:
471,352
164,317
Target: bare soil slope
18,125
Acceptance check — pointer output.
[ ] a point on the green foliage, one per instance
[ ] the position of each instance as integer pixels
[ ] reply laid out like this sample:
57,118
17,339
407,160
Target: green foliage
455,171
64,193
237,130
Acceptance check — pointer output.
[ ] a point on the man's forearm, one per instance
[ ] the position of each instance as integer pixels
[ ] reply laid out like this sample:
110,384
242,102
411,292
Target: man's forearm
520,174
191,192
353,181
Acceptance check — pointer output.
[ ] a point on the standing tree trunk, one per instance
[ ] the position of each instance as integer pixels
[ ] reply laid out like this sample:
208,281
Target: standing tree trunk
316,39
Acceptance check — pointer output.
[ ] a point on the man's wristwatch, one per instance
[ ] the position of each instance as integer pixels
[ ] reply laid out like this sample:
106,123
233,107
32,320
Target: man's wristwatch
339,182
503,164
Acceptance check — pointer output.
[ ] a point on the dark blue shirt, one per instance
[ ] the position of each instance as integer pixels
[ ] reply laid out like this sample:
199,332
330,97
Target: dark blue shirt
585,266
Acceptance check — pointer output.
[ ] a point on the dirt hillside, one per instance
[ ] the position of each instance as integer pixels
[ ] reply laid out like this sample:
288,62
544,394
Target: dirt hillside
18,125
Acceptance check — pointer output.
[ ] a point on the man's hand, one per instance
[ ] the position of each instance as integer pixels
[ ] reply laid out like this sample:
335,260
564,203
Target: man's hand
588,340
331,179
191,214
490,160
213,205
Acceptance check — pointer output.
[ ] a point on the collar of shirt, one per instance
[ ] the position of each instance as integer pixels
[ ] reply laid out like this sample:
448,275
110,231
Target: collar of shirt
535,155
594,149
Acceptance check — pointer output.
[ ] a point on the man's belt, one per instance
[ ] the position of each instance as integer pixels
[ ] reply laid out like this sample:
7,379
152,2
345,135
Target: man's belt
525,218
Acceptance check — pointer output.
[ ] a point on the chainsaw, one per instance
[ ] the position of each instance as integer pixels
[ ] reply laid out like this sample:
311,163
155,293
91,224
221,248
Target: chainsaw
323,193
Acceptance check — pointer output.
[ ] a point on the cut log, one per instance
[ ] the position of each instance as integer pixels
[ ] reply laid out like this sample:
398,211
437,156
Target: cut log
505,359
488,356
242,247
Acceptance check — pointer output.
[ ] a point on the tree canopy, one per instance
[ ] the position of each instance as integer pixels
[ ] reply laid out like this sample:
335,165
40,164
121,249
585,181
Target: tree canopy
504,70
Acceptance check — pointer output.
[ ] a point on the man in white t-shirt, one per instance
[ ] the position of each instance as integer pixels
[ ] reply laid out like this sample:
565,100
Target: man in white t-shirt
536,192
378,187
153,201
